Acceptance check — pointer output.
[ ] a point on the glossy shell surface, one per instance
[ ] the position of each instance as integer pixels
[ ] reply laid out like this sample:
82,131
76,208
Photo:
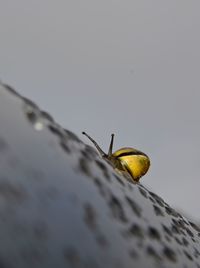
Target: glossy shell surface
136,162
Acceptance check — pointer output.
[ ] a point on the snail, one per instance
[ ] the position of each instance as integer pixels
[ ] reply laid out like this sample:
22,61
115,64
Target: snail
126,160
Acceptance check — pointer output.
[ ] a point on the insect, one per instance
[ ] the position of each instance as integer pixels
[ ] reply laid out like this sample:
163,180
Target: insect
125,160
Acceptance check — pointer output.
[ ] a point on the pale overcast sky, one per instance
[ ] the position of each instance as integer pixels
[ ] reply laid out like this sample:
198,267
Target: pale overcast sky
128,67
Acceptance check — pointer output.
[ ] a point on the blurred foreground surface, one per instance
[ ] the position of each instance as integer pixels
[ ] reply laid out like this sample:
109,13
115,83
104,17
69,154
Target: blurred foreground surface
63,206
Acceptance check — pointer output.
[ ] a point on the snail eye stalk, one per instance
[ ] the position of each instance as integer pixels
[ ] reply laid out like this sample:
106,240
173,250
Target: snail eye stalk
95,144
111,146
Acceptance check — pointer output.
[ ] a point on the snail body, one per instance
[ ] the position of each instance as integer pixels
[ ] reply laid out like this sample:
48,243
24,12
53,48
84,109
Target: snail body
126,160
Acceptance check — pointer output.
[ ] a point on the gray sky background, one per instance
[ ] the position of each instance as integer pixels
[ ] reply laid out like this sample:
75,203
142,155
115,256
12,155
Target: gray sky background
128,67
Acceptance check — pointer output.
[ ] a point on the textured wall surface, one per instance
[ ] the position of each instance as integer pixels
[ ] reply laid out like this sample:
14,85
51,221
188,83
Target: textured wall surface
61,205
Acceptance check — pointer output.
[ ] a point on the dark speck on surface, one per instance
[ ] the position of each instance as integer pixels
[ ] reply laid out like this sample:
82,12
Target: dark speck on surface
72,257
136,230
32,116
185,242
152,200
157,198
134,206
178,241
55,130
133,254
188,255
117,209
119,179
143,192
171,211
90,216
158,211
83,165
72,136
196,252
30,103
12,192
102,241
179,223
167,230
170,254
89,152
100,186
64,146
104,169
189,232
175,229
195,227
47,116
153,233
153,253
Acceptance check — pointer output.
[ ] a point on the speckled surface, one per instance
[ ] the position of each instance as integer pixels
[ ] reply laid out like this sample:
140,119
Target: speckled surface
61,205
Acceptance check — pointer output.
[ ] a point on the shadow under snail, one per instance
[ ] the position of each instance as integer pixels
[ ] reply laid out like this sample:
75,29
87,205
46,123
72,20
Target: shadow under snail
131,162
